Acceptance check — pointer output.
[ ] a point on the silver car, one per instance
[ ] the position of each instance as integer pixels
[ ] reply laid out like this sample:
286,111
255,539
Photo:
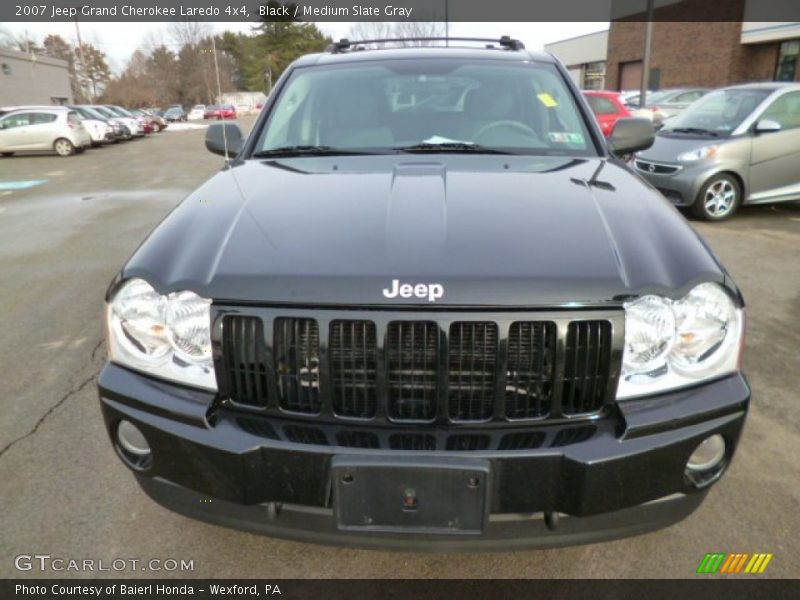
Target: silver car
737,145
37,128
664,104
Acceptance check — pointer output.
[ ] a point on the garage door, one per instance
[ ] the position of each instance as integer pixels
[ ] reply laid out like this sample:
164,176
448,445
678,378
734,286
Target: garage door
630,75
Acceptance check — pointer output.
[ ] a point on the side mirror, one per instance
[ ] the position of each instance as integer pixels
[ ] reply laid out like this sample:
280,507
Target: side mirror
631,135
219,135
767,126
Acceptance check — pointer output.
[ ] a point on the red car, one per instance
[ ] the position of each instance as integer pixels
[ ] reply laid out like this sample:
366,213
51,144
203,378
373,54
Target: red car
607,108
218,112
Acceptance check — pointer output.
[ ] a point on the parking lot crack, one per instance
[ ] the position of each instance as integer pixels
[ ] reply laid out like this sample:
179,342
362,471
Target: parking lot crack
76,389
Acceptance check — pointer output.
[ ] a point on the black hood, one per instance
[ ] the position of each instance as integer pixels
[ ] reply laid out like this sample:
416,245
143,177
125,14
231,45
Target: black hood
492,230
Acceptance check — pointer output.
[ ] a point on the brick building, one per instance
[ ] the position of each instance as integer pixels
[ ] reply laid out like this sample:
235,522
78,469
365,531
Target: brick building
702,52
709,54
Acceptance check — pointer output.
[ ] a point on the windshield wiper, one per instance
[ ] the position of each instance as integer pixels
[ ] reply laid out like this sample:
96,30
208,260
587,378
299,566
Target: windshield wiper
465,147
285,151
690,130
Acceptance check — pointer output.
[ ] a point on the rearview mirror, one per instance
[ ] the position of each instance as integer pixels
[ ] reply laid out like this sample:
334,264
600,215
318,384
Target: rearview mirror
220,135
630,135
767,126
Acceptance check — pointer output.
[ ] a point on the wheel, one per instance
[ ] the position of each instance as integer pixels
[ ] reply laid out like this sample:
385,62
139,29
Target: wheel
63,147
8,154
508,125
718,199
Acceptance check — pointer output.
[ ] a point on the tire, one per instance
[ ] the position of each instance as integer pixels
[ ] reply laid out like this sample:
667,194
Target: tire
63,147
719,198
6,154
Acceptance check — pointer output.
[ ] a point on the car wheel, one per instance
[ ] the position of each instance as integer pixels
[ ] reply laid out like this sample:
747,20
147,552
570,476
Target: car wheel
8,154
718,199
63,147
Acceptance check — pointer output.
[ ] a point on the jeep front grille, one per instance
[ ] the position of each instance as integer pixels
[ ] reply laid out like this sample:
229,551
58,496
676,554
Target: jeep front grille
297,365
412,354
353,359
395,367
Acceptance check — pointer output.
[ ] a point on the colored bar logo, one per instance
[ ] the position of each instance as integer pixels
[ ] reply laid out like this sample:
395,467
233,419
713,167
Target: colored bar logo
737,562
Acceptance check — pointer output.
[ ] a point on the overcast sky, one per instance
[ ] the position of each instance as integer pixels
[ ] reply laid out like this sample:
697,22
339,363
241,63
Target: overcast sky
119,40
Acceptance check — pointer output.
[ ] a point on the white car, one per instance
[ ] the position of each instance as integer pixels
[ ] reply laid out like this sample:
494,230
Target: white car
99,130
55,128
197,112
121,116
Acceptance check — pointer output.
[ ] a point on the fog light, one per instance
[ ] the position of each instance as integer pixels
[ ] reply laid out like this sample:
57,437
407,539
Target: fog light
707,461
133,446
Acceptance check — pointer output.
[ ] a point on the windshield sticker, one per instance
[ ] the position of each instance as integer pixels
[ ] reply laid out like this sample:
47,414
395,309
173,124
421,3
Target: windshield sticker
565,137
547,100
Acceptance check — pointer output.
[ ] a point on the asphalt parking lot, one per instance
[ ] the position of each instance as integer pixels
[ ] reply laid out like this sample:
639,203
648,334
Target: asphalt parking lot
66,494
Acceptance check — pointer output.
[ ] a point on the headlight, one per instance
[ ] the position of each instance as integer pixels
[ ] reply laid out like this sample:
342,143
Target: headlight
699,154
672,344
165,336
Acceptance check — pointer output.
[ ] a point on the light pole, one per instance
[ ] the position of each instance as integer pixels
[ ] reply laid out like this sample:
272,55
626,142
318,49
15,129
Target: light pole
648,40
83,60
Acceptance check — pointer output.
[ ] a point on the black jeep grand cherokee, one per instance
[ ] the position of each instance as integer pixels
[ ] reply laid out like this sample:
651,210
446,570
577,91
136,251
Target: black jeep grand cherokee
425,306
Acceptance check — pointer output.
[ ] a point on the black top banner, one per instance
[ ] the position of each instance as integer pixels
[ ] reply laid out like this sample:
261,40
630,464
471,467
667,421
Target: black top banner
397,10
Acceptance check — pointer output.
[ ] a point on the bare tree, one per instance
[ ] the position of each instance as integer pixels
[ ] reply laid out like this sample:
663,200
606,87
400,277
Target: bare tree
188,33
6,38
372,30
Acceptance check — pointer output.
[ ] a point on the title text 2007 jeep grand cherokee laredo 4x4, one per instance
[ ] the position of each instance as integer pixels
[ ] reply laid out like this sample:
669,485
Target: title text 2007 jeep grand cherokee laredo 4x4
425,306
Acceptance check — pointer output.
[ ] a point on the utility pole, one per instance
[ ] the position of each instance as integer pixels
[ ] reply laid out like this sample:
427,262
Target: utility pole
83,62
648,40
446,23
219,93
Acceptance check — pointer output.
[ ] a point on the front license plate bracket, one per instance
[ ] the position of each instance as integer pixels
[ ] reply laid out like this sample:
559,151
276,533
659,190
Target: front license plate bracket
430,495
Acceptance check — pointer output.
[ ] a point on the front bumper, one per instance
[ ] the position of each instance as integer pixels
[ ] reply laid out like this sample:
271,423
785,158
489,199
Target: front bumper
580,483
681,187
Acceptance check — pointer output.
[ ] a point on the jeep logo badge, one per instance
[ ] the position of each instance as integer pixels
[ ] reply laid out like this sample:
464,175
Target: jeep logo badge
431,291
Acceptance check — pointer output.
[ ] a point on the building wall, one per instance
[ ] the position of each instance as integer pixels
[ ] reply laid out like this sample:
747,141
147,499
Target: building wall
578,52
27,81
582,49
690,53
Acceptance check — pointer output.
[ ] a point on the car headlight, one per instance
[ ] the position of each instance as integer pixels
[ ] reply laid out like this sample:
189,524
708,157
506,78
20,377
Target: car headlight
698,154
672,344
166,336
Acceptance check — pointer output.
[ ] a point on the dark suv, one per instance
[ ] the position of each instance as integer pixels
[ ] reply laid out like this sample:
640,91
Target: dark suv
424,305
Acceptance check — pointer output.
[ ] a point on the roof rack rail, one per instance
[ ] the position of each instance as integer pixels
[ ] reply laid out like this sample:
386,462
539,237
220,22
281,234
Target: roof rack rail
344,44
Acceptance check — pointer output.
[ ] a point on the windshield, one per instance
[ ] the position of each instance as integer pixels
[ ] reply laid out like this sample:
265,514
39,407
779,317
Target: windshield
391,106
107,114
719,112
93,114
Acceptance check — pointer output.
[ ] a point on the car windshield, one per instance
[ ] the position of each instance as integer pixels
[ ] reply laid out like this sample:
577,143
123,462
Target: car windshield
427,105
719,112
101,110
